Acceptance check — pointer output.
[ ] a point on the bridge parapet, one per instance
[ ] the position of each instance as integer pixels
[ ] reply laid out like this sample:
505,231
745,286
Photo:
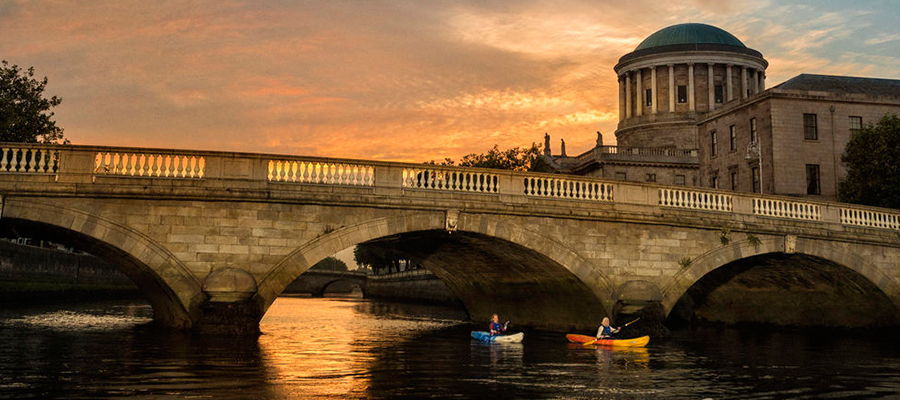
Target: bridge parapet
87,164
28,160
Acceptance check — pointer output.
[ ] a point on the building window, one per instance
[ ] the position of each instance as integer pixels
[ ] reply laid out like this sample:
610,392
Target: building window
734,180
810,131
714,182
812,179
753,137
713,145
720,95
855,124
682,94
732,138
648,97
620,176
651,177
679,179
755,173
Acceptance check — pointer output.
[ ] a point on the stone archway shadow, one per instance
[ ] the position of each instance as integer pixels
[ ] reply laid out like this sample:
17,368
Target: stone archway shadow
173,292
472,227
679,284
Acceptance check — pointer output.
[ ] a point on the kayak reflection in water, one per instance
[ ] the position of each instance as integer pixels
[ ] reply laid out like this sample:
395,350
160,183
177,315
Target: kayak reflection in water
495,328
605,331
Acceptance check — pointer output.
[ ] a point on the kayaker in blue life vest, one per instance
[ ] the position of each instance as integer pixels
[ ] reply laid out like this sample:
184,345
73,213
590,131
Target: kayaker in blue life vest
495,328
606,331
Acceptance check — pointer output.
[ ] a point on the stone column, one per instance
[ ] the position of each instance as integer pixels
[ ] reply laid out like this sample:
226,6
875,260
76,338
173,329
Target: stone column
710,82
743,82
729,86
639,102
671,88
691,86
653,105
621,99
762,81
627,95
755,76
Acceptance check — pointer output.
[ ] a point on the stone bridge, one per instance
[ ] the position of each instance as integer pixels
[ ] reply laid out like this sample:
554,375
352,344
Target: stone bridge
212,238
317,282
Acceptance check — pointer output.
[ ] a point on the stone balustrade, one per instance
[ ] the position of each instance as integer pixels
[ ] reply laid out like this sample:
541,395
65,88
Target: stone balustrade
82,164
28,160
869,218
787,209
695,199
149,165
328,173
564,188
450,179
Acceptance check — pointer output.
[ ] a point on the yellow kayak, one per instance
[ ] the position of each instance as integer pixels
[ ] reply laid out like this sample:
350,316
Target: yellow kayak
635,342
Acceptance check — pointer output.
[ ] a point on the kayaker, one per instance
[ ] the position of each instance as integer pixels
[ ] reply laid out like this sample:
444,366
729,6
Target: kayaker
496,328
605,331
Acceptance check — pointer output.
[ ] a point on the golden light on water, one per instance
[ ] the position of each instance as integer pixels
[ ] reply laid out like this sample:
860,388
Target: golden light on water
339,348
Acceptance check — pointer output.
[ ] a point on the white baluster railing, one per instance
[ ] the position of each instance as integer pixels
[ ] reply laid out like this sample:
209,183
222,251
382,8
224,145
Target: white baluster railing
787,209
321,172
567,188
442,179
694,199
150,165
28,160
872,219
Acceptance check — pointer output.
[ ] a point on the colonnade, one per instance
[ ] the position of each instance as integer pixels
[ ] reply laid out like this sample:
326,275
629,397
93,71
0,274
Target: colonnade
752,81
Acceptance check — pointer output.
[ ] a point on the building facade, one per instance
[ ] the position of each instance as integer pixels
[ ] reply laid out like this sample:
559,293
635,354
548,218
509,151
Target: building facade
801,126
694,110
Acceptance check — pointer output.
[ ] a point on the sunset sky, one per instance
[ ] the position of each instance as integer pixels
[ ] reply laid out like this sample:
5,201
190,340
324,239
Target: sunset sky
391,80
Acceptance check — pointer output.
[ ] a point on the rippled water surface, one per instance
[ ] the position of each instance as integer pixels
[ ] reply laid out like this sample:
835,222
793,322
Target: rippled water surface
345,347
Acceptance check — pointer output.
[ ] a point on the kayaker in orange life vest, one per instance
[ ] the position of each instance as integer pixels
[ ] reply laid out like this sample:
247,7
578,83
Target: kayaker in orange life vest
495,328
605,331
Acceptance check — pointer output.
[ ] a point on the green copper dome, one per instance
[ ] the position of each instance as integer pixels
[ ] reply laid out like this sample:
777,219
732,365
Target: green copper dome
689,34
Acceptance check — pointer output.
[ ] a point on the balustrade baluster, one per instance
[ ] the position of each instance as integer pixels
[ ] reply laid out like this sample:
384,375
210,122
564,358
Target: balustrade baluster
30,165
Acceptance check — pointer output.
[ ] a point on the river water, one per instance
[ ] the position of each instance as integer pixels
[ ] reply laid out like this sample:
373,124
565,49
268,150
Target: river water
354,348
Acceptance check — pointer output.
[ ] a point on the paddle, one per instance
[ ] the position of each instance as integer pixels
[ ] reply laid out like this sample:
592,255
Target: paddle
595,340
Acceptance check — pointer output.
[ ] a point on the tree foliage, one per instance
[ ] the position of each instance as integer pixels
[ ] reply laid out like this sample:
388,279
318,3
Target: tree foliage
377,257
331,264
515,159
872,158
25,114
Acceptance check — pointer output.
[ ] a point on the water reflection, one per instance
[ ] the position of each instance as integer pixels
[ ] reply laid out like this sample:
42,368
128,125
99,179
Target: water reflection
351,348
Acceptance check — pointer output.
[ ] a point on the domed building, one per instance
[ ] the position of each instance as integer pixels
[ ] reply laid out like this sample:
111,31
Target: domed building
677,73
694,111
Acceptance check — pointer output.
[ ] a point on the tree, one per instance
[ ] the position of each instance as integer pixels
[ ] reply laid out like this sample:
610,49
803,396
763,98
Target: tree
378,258
330,264
25,114
873,165
515,159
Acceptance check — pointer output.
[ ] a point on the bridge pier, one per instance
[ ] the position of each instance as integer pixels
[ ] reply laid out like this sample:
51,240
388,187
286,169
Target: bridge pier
229,309
229,318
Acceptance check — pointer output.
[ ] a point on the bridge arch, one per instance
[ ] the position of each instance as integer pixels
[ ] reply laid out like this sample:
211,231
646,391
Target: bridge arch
173,292
321,290
571,282
829,251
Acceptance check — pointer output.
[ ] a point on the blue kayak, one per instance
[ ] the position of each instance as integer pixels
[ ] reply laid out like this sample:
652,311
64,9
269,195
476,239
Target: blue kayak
487,338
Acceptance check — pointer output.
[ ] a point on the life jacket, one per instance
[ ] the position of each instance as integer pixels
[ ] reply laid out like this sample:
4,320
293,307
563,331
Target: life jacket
605,332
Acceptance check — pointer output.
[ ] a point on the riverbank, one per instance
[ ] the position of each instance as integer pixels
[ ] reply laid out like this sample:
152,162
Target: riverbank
30,274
